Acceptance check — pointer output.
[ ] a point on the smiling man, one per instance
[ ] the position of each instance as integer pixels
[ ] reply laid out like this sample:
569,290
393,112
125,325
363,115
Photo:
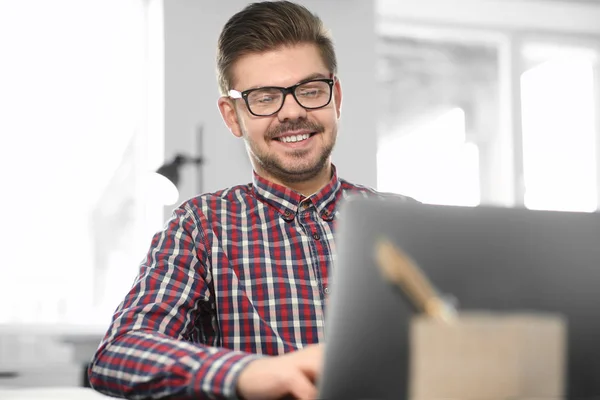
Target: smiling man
230,300
288,119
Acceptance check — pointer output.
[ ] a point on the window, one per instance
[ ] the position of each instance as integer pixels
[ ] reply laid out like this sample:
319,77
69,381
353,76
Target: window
440,97
502,111
559,134
447,165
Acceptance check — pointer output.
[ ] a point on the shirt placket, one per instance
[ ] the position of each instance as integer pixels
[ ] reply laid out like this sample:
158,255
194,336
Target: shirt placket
309,220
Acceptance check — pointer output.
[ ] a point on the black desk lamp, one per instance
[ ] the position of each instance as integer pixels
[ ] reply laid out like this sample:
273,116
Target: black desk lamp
171,171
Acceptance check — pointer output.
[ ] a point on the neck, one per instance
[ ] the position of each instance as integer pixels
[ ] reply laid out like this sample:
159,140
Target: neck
306,187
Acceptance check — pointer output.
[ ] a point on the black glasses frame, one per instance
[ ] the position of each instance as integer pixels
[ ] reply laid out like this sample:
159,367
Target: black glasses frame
235,94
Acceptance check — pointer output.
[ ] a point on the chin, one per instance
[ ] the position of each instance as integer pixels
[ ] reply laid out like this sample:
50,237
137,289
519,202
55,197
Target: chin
308,170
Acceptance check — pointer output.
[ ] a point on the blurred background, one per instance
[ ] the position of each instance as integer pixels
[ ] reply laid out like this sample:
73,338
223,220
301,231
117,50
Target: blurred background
460,102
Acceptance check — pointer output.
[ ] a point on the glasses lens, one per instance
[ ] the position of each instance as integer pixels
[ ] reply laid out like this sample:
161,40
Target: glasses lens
264,101
313,94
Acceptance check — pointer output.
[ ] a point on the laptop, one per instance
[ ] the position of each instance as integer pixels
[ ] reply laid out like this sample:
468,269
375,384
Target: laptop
486,258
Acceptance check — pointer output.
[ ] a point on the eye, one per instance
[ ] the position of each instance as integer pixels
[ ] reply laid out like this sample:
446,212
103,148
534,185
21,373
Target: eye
264,97
312,92
312,89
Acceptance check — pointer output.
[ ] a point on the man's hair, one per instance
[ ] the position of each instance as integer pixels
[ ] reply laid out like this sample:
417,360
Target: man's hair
265,26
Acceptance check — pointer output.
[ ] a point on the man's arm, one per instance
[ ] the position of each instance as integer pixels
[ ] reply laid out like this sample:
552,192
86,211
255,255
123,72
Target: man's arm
144,353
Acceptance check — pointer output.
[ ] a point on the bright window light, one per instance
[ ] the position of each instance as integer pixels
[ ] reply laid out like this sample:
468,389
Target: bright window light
559,140
431,162
72,81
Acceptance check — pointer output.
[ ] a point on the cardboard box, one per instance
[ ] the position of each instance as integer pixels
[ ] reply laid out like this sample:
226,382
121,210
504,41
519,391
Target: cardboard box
485,355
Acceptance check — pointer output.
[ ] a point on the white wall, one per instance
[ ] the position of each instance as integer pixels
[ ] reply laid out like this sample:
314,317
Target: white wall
191,29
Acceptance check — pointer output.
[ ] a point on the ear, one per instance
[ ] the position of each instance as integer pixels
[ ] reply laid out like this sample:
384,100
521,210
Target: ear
337,97
229,115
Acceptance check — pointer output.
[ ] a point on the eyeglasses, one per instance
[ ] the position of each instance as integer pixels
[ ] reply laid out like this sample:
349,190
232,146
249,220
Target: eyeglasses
268,100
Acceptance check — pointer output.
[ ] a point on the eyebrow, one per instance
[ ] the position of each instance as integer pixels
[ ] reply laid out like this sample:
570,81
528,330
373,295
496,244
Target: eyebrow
315,76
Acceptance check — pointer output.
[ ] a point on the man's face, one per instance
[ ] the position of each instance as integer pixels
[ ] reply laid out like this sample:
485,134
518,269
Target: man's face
267,138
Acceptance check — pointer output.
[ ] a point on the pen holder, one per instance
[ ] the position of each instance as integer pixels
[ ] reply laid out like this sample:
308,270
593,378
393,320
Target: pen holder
482,355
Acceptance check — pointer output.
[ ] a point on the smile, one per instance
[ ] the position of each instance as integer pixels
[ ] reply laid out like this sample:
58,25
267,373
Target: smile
294,138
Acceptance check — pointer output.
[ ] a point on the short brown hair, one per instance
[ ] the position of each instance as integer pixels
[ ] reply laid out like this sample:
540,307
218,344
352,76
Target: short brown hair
265,26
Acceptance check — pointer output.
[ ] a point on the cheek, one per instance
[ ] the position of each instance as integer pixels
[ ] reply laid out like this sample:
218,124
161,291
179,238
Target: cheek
329,120
256,128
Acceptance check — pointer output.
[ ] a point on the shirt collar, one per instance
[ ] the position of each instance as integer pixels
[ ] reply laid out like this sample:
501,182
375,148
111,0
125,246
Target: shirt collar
288,202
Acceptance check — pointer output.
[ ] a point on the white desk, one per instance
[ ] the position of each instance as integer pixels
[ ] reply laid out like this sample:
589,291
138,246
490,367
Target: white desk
52,394
41,355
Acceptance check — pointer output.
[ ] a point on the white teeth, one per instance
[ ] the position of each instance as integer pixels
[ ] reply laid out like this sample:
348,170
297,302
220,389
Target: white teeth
295,138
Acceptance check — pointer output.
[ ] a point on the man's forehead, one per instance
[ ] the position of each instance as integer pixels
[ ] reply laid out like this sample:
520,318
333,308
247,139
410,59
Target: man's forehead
284,66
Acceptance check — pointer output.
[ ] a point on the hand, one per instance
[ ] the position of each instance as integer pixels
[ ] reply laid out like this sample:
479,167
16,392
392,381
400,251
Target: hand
293,374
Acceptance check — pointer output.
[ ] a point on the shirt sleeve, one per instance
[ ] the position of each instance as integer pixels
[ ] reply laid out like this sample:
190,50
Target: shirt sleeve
146,352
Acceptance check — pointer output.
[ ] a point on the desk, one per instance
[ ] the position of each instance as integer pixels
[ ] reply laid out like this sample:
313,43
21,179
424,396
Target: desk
52,394
84,345
42,355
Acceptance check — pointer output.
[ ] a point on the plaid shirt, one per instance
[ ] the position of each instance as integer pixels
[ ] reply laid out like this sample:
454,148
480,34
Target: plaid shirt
235,275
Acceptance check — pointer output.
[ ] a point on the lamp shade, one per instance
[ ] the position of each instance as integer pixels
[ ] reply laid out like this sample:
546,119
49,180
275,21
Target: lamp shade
161,189
171,170
169,174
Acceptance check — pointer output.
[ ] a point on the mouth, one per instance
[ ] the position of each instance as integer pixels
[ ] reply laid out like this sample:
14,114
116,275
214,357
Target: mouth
295,137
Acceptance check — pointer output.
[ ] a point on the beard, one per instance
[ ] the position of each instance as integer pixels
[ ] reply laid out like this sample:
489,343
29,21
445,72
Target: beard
298,165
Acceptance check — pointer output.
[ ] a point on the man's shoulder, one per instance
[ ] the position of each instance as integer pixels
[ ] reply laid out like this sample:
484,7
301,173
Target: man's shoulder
220,199
352,189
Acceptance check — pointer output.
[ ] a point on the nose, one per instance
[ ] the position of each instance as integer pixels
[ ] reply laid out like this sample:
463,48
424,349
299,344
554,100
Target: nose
291,110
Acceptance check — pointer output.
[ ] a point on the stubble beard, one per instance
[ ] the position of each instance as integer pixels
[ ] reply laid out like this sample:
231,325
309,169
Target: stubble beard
301,171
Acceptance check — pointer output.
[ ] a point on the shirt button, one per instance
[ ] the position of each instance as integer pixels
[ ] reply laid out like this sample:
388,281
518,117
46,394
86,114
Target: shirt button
316,236
326,289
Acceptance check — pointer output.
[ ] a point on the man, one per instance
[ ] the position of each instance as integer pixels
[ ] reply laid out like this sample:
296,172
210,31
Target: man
241,275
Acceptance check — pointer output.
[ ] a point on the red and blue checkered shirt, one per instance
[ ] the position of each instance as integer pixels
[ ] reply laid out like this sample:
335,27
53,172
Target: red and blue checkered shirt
235,275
